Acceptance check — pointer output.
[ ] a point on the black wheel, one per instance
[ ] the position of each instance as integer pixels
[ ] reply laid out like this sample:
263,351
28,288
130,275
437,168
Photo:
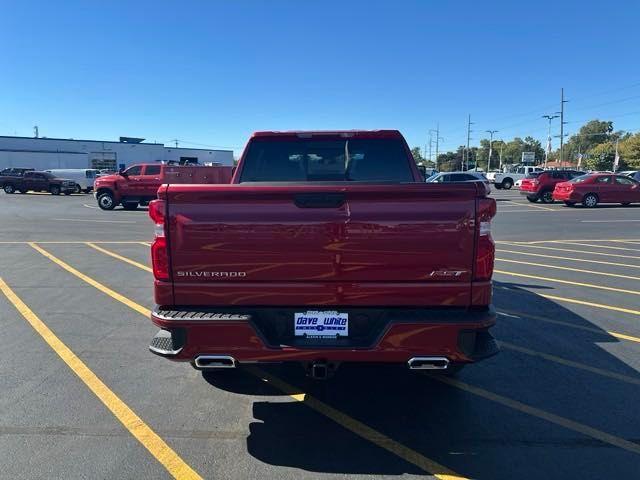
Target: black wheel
106,201
507,183
532,198
498,186
590,200
67,193
130,205
570,204
547,197
78,189
8,188
55,190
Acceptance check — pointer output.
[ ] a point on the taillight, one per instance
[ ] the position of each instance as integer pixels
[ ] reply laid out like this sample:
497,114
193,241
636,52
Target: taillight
485,249
159,253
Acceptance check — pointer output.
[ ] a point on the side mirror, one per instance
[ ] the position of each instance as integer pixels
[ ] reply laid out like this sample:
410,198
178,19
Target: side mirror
122,172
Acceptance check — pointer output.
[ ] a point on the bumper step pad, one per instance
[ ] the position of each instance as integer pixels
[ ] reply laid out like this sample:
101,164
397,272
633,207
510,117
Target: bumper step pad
168,343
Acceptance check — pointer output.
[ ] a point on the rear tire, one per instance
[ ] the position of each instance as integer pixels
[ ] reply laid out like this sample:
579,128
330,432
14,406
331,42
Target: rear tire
8,188
507,183
54,189
130,205
547,197
532,199
67,193
106,201
78,189
498,186
590,200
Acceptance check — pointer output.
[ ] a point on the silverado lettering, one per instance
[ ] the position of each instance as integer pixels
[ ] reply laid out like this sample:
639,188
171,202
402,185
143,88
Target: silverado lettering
352,257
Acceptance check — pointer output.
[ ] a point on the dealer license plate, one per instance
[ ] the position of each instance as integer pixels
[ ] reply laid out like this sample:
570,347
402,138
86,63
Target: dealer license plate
323,324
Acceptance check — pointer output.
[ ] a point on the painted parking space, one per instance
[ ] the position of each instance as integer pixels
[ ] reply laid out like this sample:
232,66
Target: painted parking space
554,401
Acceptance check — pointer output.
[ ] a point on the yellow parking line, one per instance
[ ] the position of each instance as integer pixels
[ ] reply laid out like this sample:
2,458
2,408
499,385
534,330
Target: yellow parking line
397,448
120,257
359,428
568,282
590,304
586,252
104,289
631,242
571,363
580,270
529,205
132,422
545,255
544,415
597,246
349,423
145,243
512,313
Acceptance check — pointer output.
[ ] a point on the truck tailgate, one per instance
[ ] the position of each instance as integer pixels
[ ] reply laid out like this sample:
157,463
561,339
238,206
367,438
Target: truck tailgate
355,244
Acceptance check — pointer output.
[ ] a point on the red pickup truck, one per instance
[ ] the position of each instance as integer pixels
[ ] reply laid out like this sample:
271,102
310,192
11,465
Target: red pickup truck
139,184
327,247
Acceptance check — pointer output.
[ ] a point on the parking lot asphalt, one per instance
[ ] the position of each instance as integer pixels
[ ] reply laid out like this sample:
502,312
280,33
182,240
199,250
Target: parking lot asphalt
83,398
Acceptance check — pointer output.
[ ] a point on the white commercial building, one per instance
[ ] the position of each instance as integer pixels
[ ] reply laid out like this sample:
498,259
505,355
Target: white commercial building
55,153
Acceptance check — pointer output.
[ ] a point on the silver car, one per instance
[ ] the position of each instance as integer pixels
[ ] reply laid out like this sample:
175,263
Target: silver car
447,177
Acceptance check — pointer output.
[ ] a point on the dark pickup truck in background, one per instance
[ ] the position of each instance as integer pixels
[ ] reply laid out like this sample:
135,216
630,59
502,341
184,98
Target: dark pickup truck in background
327,247
29,180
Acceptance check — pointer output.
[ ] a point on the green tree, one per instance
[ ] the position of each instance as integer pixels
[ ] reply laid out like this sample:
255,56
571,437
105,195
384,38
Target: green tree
629,149
417,154
592,133
601,157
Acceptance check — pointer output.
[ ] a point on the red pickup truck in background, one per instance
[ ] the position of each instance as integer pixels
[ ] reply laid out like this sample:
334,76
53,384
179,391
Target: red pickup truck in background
327,247
138,184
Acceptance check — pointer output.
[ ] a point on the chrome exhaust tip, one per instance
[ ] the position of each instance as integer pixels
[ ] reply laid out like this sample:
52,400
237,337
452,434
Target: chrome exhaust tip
215,361
428,363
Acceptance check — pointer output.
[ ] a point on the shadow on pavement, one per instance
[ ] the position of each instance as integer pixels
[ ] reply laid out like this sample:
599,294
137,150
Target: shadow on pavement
473,436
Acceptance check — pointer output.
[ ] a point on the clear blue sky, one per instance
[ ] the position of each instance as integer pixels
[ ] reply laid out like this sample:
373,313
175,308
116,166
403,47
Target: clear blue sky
211,72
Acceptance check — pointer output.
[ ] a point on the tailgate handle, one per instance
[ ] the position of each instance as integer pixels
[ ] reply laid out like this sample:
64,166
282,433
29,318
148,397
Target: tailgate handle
319,200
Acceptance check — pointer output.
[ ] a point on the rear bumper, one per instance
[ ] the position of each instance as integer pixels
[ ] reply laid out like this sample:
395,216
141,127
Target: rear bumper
567,196
395,336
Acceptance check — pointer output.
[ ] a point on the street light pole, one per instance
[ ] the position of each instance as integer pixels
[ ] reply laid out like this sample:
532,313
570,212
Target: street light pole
548,150
490,132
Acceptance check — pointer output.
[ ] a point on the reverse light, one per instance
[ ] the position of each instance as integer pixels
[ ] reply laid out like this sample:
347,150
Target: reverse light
485,248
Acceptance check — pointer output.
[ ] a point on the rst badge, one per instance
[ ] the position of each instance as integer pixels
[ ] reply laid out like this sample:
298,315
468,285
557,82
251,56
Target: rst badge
323,324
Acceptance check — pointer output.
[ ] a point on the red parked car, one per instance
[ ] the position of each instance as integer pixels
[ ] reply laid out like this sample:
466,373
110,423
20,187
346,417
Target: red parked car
539,185
595,188
138,184
327,247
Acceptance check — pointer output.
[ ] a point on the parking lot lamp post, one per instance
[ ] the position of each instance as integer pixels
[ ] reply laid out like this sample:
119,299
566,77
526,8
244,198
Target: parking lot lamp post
491,132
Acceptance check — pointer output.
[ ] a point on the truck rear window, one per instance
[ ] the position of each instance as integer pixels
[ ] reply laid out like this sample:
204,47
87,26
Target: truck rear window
309,159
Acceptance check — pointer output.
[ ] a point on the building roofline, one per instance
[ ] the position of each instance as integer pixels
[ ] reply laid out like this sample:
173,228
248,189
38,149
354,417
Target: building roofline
78,140
114,141
40,151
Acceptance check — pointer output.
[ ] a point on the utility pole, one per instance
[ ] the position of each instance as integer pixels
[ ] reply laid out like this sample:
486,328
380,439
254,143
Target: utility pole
176,142
438,138
466,166
548,150
490,132
562,122
501,147
35,131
